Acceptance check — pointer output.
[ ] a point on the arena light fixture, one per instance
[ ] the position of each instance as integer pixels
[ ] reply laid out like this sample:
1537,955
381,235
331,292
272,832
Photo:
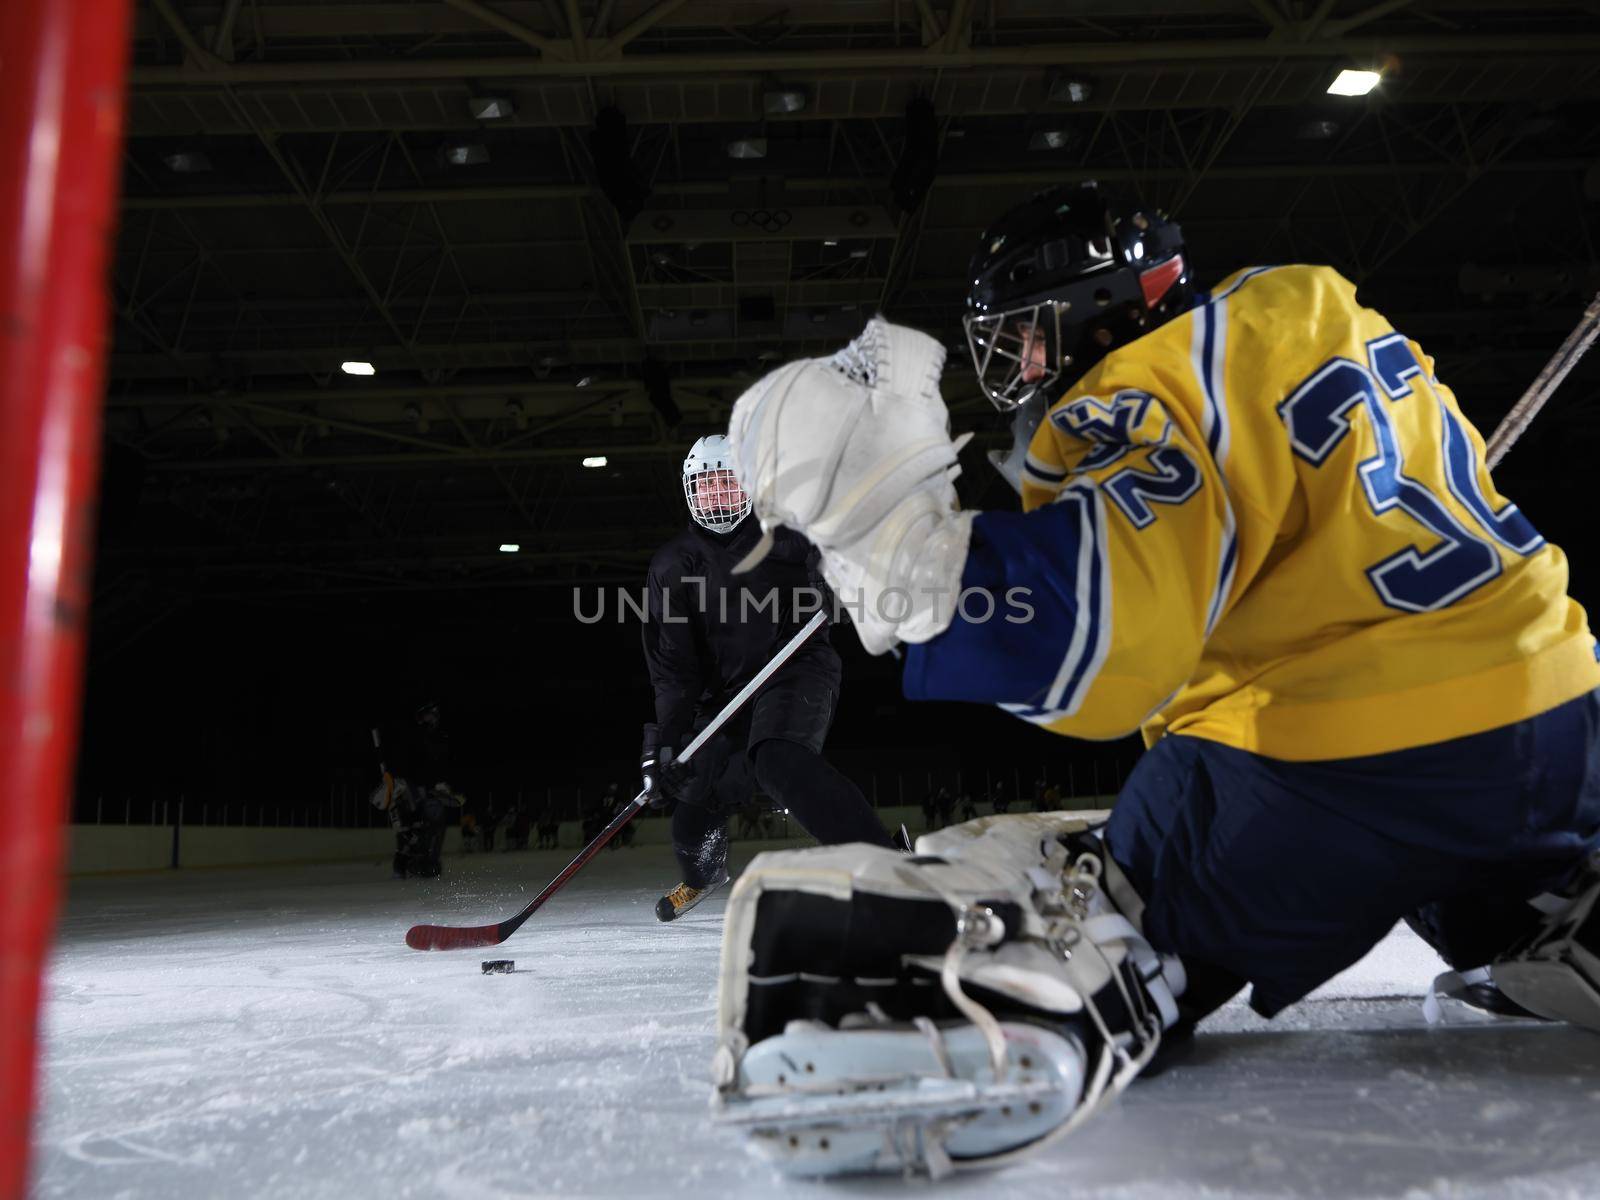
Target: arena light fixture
187,162
491,108
751,147
356,367
1317,131
509,547
463,154
1068,89
782,101
1354,83
595,460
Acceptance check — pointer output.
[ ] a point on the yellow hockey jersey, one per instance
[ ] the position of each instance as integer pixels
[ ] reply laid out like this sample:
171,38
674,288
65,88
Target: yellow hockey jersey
1280,535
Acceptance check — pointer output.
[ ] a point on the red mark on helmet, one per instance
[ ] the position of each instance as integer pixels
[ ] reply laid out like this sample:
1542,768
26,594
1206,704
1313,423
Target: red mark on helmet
1155,282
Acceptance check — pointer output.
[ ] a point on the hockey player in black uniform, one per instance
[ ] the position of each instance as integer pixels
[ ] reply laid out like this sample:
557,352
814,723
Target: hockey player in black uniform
705,635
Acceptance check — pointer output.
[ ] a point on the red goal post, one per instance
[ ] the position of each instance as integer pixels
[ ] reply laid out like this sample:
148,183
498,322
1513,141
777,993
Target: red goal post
62,73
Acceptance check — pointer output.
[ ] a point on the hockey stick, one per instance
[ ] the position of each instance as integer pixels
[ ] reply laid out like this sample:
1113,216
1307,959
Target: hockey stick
1544,384
454,937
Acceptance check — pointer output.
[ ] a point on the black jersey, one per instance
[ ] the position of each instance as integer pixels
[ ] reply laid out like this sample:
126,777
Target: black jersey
708,631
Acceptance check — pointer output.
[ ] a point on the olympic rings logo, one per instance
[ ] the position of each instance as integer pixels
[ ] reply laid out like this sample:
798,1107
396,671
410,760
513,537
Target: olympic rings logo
768,220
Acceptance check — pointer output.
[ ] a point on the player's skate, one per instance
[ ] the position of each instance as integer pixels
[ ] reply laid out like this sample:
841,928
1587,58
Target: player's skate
683,897
1556,973
854,451
950,1010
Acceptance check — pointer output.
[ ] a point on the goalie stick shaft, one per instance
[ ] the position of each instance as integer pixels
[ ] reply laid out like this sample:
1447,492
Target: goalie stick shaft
457,937
1544,384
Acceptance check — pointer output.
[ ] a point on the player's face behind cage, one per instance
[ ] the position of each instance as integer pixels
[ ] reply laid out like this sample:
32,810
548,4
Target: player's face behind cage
1017,353
715,499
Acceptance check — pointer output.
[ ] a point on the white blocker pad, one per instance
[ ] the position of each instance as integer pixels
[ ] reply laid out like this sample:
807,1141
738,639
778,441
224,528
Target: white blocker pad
953,1008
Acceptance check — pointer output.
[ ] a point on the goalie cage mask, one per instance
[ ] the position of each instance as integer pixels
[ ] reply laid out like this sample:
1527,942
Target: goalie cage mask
1058,282
955,1008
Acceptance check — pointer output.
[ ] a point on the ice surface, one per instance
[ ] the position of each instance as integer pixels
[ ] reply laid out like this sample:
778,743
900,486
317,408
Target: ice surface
267,1033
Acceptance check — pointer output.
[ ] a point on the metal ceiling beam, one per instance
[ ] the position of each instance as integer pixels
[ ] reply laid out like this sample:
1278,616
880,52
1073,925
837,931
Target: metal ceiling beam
516,29
532,390
958,180
441,106
464,457
641,24
1072,54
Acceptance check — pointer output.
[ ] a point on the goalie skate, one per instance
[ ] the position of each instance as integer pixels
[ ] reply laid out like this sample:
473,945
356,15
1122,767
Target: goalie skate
950,1010
1556,973
818,1102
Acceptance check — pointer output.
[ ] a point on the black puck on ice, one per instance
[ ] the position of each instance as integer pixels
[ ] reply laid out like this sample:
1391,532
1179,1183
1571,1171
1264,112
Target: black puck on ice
499,966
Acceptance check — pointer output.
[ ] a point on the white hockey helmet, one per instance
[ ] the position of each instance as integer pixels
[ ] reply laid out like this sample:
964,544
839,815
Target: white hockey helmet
716,499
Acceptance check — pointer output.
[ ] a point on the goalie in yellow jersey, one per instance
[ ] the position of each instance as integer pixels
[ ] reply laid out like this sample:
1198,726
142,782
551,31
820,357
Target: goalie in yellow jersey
1257,528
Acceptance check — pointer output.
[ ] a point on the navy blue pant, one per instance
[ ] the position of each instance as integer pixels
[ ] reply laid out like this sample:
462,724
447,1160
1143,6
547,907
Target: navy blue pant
1282,874
782,734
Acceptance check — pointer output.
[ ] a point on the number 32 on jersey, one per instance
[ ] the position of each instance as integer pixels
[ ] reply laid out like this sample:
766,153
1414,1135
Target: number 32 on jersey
1318,416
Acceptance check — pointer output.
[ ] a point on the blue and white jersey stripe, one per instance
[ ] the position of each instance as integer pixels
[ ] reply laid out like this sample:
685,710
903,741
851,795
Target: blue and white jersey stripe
1041,474
1208,354
1091,631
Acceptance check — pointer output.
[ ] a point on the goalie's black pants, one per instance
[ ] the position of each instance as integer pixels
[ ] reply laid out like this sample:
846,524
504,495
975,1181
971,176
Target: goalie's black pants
1282,874
777,747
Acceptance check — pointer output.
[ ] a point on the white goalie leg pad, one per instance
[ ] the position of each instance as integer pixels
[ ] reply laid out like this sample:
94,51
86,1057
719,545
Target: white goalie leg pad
1556,973
953,1009
854,451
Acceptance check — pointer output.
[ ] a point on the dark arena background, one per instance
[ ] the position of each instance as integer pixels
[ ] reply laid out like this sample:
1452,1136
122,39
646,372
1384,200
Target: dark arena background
416,308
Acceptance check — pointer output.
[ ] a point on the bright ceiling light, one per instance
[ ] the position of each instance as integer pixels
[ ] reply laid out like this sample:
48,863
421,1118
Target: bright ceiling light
1354,83
358,368
595,460
509,547
751,147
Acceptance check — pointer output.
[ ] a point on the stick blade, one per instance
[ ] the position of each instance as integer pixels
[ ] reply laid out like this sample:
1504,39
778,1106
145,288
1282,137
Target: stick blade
446,937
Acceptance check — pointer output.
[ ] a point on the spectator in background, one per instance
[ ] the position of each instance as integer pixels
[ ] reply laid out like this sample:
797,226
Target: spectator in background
1052,798
999,801
549,827
520,827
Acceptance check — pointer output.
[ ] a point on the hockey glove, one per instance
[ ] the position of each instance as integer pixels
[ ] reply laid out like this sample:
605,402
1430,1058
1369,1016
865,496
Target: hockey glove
664,779
650,763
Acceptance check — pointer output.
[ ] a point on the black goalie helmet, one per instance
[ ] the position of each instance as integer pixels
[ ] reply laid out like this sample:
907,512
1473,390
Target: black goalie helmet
1060,281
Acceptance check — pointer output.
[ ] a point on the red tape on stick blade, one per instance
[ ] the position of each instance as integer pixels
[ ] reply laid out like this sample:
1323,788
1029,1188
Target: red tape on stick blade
443,937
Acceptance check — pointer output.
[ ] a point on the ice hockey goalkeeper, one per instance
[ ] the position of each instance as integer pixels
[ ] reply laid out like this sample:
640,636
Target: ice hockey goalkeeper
1257,528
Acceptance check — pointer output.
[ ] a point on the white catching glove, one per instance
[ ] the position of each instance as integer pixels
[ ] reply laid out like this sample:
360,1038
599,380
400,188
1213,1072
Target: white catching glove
854,452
